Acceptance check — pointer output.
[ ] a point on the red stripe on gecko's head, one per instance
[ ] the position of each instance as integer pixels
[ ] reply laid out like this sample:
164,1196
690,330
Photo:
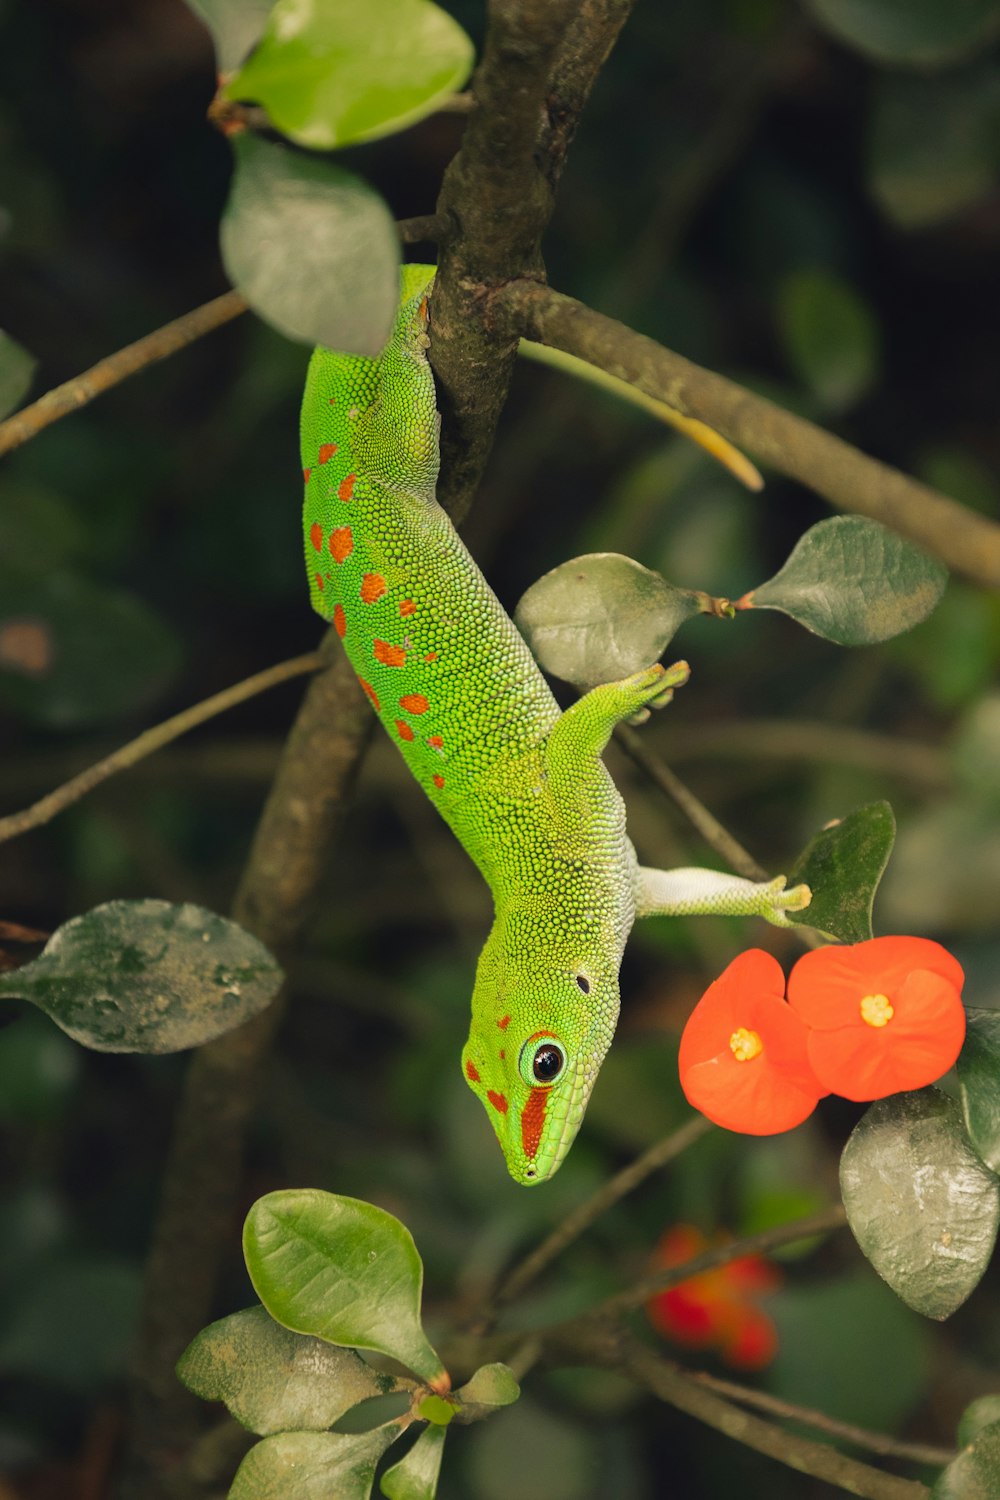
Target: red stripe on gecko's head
533,1121
471,1071
498,1101
340,621
504,1022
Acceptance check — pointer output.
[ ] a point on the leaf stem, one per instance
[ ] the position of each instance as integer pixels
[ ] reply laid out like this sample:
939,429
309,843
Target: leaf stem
151,740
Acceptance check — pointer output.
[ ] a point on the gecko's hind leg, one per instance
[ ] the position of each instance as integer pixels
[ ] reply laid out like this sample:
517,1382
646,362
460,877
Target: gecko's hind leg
584,729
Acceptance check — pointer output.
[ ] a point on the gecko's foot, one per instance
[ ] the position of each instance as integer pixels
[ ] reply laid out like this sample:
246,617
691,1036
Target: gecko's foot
781,901
661,681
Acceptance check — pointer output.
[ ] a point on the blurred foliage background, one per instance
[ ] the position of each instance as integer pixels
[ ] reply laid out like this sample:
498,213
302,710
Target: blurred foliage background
802,196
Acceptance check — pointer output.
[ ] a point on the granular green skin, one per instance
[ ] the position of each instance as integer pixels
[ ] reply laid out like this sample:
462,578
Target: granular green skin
522,785
460,695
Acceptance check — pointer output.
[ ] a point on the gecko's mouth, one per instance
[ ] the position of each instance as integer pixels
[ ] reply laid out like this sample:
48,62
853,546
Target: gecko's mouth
549,1123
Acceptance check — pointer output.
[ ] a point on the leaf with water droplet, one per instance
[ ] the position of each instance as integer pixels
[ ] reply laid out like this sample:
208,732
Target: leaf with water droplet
147,976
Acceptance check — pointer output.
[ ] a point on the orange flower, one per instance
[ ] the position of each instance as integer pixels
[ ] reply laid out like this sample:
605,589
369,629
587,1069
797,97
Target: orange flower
743,1058
715,1309
883,1016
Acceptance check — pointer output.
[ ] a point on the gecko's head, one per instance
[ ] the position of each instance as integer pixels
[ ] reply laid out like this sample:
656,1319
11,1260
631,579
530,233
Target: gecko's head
542,1020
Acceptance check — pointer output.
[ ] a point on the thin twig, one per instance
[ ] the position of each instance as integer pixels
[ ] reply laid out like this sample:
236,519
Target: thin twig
762,1243
861,1437
631,1358
160,344
606,1196
711,830
152,740
964,540
115,368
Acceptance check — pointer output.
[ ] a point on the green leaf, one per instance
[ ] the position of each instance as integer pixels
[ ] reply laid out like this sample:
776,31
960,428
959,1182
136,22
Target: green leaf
599,617
235,26
312,248
147,976
975,1473
17,370
341,1269
982,1412
415,1477
437,1410
831,338
491,1387
332,72
919,1201
850,580
979,1083
915,33
312,1466
842,866
273,1380
74,653
933,143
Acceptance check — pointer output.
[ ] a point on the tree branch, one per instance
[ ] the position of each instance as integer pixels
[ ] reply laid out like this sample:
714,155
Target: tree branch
607,1195
665,1380
967,542
151,740
160,344
762,1243
861,1437
197,1226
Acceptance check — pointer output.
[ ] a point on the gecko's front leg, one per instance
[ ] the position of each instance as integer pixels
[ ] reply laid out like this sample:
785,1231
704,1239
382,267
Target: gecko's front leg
688,892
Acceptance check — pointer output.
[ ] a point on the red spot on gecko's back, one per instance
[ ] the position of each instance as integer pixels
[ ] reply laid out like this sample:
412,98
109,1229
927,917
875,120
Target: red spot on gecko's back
346,487
341,543
326,452
373,586
319,582
316,535
414,703
305,474
498,1101
407,607
389,656
436,742
533,1120
371,693
403,730
504,1022
438,782
340,621
431,656
471,1071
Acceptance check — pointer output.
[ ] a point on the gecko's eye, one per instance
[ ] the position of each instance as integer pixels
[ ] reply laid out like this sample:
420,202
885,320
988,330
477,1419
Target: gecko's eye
542,1061
584,983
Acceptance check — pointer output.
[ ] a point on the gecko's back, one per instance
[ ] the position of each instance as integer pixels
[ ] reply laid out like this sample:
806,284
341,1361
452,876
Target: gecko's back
441,661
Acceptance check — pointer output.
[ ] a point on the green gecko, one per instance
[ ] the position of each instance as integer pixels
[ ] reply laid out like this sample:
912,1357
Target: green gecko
521,783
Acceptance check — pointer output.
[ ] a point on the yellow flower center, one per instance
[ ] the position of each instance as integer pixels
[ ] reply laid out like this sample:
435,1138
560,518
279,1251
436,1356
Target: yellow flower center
876,1010
745,1045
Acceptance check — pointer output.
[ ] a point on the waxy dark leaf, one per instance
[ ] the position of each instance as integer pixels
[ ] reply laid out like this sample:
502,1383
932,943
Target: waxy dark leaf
916,33
17,368
842,866
975,1473
147,976
850,580
235,26
333,72
312,248
273,1380
415,1477
341,1269
602,616
979,1083
312,1466
919,1201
